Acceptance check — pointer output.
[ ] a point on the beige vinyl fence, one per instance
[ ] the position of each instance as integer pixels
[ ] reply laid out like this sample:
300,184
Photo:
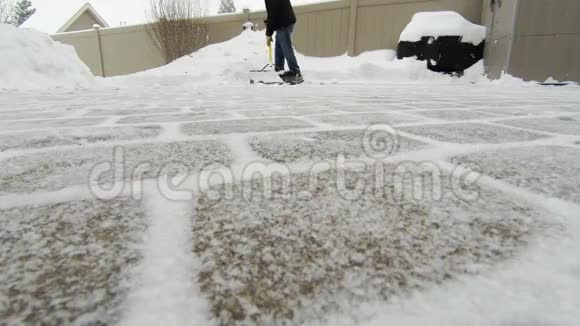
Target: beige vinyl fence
326,29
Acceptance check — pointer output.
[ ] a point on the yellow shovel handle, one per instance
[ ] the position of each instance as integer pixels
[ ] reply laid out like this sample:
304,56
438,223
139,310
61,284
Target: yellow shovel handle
270,52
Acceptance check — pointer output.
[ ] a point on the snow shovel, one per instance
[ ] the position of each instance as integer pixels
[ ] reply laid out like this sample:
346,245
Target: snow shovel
269,68
270,64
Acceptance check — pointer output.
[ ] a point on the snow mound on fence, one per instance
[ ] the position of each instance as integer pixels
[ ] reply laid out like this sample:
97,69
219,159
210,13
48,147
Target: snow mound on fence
32,60
442,23
231,62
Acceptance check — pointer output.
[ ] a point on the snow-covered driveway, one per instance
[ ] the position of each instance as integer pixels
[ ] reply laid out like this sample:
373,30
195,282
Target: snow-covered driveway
338,204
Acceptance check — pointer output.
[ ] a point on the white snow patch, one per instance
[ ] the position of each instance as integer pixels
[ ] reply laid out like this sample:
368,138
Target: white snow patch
166,293
32,60
442,23
248,26
475,72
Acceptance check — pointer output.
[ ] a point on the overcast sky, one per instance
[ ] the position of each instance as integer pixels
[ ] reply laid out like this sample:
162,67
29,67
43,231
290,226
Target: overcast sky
53,14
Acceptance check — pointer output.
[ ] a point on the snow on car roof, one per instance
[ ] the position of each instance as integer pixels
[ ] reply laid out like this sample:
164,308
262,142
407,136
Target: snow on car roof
442,23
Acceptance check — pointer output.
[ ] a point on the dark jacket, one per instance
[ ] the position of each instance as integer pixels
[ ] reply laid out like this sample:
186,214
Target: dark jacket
280,15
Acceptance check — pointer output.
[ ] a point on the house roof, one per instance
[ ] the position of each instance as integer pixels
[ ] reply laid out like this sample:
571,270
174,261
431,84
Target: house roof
52,15
88,9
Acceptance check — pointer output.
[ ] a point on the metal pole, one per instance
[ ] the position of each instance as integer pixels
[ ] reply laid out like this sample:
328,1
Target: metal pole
101,59
352,28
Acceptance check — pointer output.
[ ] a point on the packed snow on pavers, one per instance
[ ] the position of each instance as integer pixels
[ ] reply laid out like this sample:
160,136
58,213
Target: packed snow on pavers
357,242
378,193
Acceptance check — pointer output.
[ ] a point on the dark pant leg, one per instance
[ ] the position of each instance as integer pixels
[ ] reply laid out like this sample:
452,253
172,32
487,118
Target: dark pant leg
279,53
284,37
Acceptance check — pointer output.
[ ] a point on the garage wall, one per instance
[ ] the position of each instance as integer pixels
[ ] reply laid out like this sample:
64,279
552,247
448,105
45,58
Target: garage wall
533,39
547,42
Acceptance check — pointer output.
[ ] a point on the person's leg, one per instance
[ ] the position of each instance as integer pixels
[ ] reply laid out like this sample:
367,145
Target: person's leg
288,49
279,54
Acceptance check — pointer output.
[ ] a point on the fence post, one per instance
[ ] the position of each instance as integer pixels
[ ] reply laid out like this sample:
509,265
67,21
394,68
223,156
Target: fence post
352,28
246,12
97,28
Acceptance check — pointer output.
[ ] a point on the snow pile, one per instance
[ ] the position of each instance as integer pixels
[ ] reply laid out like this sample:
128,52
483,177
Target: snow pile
442,23
231,62
32,60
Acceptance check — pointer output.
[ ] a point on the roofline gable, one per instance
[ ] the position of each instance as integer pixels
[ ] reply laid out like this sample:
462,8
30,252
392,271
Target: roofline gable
87,7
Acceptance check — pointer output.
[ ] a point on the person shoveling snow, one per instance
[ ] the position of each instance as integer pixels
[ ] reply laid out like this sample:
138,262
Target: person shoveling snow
281,19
